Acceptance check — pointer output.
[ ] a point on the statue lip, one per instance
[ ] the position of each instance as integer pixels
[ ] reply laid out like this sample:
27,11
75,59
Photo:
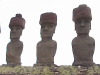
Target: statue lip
83,29
46,32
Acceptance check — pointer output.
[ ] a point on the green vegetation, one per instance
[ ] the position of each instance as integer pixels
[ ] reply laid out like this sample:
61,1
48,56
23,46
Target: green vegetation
68,70
94,69
45,70
26,70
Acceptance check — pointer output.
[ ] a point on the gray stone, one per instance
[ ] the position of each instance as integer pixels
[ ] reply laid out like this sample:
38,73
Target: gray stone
15,46
83,45
46,48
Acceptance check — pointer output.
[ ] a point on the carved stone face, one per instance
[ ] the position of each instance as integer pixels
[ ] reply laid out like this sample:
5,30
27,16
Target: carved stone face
83,25
47,29
16,32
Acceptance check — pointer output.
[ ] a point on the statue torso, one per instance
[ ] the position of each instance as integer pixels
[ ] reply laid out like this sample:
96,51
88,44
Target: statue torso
14,51
83,49
46,51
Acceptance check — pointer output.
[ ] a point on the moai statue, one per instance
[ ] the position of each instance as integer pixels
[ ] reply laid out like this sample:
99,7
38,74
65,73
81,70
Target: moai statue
83,45
46,48
15,46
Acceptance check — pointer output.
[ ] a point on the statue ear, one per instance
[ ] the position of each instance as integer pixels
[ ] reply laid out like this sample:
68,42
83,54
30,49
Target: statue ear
54,29
90,26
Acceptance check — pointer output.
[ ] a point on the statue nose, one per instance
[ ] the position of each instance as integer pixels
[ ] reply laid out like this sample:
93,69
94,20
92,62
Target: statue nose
82,24
14,30
46,28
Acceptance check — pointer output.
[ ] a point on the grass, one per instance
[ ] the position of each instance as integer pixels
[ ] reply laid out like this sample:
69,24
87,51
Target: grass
45,70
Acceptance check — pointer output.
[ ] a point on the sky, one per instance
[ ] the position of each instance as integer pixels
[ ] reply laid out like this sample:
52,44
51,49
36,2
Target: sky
65,31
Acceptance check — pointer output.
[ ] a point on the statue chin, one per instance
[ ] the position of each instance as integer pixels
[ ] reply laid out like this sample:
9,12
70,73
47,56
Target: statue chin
82,31
46,35
14,37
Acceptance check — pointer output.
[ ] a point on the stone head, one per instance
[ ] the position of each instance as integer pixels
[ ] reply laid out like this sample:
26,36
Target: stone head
82,18
16,25
48,22
16,32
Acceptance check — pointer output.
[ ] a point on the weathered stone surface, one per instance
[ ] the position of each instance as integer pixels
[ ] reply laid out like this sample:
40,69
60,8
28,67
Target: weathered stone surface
15,46
14,51
46,48
83,45
46,52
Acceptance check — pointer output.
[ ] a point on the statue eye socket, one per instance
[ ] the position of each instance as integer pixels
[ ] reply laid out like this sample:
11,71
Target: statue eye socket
50,26
87,21
42,26
78,22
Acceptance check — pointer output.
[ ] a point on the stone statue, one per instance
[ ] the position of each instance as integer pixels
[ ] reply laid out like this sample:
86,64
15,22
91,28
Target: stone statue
46,48
15,46
83,45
